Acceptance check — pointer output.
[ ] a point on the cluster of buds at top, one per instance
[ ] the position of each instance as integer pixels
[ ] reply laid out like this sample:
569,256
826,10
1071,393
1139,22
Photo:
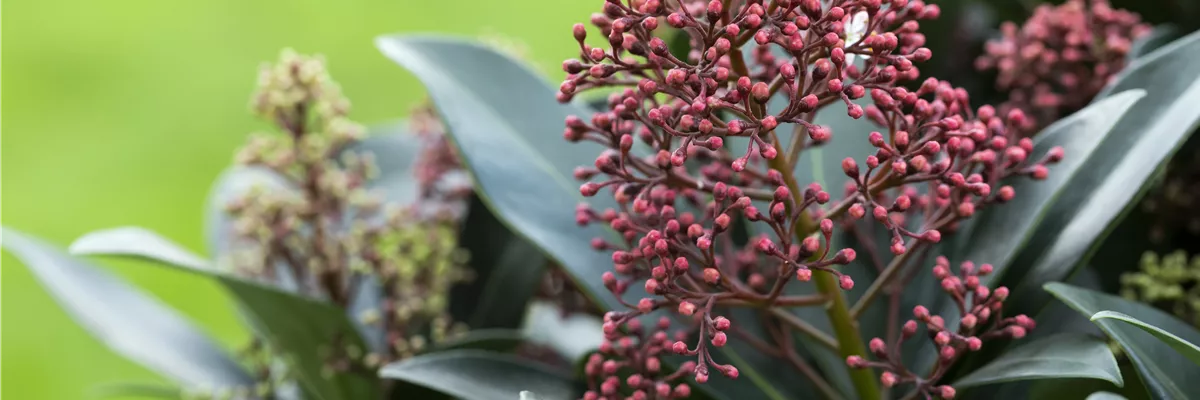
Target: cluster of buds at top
981,318
323,234
630,363
1061,57
679,188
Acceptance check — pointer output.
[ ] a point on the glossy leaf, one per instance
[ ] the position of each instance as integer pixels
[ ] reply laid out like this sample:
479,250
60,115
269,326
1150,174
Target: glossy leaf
1187,349
1166,373
479,375
521,178
1146,137
1059,356
1004,230
128,321
301,328
508,271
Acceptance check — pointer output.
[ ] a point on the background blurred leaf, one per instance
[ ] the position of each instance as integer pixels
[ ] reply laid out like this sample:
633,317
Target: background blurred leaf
498,340
1166,373
503,141
1184,347
508,271
479,375
303,330
129,322
1059,356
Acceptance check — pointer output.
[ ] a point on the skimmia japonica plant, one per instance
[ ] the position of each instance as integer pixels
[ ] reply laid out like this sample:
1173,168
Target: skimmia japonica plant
761,198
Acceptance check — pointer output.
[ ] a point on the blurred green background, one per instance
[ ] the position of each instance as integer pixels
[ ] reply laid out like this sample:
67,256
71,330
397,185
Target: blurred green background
122,112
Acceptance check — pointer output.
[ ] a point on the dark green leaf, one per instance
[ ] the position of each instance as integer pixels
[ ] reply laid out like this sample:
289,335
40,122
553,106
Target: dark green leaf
1002,231
304,330
1118,174
507,269
513,148
126,320
479,375
1166,373
1059,356
1184,347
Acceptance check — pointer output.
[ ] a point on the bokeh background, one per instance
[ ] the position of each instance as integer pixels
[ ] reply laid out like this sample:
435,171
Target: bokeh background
122,112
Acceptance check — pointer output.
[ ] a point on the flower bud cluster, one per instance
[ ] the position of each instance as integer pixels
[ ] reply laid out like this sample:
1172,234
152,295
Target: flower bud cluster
981,319
322,233
681,192
629,364
1061,57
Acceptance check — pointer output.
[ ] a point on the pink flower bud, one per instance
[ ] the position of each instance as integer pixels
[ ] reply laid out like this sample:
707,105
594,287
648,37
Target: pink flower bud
679,347
887,379
719,339
909,329
721,323
846,282
857,211
974,343
804,274
850,167
947,353
712,276
946,392
877,346
921,313
651,286
687,308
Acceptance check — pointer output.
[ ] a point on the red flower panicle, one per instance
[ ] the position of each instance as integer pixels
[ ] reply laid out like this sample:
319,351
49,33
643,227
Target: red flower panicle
679,187
1061,57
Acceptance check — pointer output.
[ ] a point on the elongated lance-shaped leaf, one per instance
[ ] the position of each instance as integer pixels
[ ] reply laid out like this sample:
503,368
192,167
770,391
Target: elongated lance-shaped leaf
1144,140
1166,373
1184,347
1003,230
305,331
478,375
1065,355
128,321
507,126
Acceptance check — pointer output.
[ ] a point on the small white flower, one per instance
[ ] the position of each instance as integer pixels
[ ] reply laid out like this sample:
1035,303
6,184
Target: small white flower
855,28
